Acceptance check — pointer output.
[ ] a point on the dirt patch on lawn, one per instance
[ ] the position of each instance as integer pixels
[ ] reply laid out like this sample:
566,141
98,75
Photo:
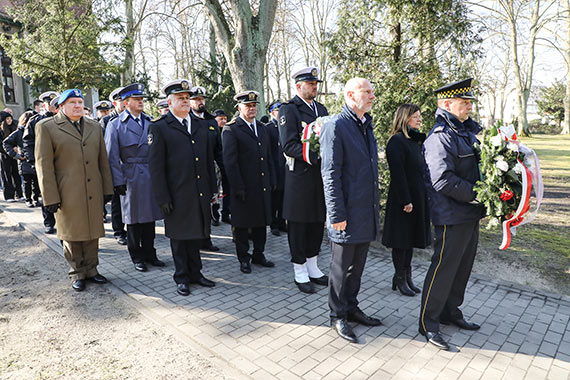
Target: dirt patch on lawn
48,331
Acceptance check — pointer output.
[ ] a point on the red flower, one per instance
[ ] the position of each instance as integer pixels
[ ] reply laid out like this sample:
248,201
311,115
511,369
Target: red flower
506,195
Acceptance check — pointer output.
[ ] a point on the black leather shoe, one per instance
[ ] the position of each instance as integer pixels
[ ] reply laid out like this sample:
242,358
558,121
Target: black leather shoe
344,330
49,230
226,219
141,267
324,280
358,316
245,267
436,339
263,262
99,279
183,289
461,323
121,240
203,281
211,247
156,263
306,287
215,223
78,285
275,232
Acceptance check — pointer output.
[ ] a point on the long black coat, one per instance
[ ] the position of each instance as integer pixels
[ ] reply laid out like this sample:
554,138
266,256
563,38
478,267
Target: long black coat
29,137
277,154
406,230
182,172
249,167
303,198
13,141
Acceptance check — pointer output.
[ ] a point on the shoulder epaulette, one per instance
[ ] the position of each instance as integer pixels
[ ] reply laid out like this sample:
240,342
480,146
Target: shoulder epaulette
438,129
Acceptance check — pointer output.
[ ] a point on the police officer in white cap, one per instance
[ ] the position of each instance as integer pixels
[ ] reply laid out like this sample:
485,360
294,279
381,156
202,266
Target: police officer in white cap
303,197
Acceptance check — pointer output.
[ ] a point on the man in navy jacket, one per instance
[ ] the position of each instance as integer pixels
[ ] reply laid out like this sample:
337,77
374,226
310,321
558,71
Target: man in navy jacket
349,168
452,171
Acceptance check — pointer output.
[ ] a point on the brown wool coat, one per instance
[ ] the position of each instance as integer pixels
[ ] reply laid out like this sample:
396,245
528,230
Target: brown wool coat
73,170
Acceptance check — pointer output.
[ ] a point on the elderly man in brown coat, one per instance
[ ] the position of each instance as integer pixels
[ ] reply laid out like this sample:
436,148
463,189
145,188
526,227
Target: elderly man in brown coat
75,179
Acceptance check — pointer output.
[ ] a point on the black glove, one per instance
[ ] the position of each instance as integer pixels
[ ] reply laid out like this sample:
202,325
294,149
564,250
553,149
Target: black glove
121,190
240,195
166,209
107,198
53,208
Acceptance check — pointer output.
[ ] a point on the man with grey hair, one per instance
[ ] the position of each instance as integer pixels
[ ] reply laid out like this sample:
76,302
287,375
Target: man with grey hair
350,178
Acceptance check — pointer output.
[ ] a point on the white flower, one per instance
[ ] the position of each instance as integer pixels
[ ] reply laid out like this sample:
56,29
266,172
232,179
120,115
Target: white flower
496,140
512,146
502,164
518,169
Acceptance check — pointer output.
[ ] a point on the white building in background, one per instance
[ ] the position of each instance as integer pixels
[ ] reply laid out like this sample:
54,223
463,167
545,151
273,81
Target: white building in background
15,90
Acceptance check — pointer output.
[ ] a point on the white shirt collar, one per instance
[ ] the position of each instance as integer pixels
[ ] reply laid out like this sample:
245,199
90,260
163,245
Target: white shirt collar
188,122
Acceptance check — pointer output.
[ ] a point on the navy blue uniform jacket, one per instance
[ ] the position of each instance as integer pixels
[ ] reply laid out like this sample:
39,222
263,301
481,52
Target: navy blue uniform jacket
452,170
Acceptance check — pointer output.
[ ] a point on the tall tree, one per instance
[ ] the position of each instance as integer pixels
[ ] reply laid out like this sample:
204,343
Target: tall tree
550,101
566,125
60,42
243,33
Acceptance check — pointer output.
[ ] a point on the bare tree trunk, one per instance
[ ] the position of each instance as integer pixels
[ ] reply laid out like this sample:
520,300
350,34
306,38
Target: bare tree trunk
245,48
566,125
127,75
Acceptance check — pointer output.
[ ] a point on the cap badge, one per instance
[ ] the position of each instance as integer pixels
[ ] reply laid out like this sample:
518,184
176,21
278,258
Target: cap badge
251,96
184,85
77,93
314,72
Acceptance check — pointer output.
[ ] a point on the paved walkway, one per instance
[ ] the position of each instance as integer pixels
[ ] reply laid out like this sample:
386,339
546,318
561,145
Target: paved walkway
260,326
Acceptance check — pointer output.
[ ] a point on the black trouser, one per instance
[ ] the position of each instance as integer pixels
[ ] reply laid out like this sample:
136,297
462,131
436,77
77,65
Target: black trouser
31,187
117,217
214,211
187,262
304,240
347,264
226,211
258,236
277,221
444,287
402,258
11,181
49,218
140,242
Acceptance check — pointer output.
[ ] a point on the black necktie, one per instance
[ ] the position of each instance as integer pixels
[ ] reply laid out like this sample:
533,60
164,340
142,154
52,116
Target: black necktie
314,107
138,121
185,124
78,127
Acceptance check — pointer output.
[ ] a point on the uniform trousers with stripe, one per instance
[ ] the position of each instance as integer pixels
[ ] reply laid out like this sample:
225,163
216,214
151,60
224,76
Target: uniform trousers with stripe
444,287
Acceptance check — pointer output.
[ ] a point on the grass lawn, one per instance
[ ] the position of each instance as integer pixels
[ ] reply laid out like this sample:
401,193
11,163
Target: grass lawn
543,245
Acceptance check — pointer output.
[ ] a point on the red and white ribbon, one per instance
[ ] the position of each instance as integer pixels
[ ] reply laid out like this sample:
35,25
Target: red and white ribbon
509,225
307,133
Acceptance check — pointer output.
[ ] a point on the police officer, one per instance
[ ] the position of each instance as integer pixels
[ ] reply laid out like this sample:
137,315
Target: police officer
162,106
277,222
303,198
247,159
452,170
116,218
50,105
127,147
200,115
103,108
182,172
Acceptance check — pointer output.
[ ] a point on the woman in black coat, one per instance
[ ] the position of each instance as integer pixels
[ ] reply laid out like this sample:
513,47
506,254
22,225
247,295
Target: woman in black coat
406,225
11,180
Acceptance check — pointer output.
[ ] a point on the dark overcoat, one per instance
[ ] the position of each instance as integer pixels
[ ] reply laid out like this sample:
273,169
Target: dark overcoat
29,137
277,154
128,149
249,167
15,141
401,229
182,173
350,177
303,198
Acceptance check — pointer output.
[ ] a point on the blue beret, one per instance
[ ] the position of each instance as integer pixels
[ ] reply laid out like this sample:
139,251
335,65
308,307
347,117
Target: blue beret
68,94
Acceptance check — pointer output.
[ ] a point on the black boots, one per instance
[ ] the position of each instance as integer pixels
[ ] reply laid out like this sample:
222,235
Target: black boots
410,282
399,281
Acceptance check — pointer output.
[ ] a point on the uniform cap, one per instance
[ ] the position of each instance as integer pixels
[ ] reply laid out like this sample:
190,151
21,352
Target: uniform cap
220,112
247,97
68,94
103,105
273,105
48,96
460,89
54,102
197,92
135,90
162,104
307,74
114,95
178,86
